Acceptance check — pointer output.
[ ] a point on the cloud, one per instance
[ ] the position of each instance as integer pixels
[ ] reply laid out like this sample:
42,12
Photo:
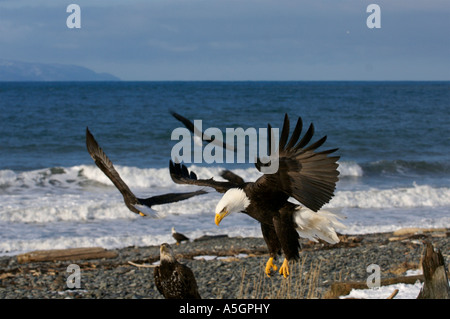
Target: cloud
252,39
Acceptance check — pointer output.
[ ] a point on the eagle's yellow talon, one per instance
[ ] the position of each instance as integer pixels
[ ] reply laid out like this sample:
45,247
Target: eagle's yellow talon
269,266
284,269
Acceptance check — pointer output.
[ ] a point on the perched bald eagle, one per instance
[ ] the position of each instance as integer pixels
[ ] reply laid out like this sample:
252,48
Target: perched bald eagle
308,176
179,237
134,204
174,280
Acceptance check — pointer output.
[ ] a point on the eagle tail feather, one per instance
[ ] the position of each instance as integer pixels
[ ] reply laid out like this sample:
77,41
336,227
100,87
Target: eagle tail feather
318,225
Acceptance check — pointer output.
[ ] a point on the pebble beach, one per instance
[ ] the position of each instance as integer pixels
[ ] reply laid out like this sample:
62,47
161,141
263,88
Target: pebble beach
225,268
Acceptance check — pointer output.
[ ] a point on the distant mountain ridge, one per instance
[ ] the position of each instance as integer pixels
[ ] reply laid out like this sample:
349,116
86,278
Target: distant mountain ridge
26,71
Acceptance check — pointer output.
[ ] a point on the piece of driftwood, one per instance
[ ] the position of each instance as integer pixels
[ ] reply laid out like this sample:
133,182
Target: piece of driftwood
435,285
66,254
255,251
209,237
418,233
416,230
393,294
141,265
338,289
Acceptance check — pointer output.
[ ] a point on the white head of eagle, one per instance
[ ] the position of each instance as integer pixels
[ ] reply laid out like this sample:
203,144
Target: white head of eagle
233,201
166,253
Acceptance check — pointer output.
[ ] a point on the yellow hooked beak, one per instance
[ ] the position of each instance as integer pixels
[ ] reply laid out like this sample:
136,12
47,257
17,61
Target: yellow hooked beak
220,216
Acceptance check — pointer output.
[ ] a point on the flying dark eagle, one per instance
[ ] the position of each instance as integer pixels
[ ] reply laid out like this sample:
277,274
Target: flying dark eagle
136,205
174,280
179,237
308,176
199,135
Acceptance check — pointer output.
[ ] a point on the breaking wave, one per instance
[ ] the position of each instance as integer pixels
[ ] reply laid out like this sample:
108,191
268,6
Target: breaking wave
66,178
85,193
401,197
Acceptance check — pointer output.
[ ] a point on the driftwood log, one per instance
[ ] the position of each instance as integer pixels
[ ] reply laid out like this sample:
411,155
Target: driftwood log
435,285
213,252
434,278
418,233
338,289
66,254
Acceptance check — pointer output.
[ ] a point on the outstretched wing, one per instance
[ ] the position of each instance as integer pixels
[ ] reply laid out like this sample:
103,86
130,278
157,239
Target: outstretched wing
190,126
232,177
181,175
107,167
169,198
305,174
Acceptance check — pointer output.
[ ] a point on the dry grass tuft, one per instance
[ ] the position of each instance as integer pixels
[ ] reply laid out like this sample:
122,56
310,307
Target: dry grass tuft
301,283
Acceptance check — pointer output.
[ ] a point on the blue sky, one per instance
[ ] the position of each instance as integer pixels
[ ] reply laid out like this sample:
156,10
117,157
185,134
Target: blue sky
234,40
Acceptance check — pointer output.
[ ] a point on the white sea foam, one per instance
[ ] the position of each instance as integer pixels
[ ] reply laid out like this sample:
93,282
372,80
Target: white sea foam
7,177
351,169
76,176
414,196
78,206
71,193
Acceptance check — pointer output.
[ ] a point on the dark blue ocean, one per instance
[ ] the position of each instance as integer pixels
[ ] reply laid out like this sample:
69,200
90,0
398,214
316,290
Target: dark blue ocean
393,139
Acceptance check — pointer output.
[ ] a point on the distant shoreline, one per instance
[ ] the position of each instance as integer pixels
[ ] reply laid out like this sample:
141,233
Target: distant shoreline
18,71
237,81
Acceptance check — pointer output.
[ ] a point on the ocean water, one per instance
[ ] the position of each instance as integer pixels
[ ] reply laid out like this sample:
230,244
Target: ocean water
393,139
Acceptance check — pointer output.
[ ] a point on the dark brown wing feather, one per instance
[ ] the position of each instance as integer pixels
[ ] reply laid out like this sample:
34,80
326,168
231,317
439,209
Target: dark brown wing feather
190,126
169,198
189,282
157,278
181,175
305,174
232,177
107,167
176,281
187,123
179,237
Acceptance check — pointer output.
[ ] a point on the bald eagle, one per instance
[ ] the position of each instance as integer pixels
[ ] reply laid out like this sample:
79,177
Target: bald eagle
134,204
179,237
174,280
308,176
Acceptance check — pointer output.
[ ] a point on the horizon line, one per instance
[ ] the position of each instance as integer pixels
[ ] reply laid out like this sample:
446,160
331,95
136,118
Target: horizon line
120,80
